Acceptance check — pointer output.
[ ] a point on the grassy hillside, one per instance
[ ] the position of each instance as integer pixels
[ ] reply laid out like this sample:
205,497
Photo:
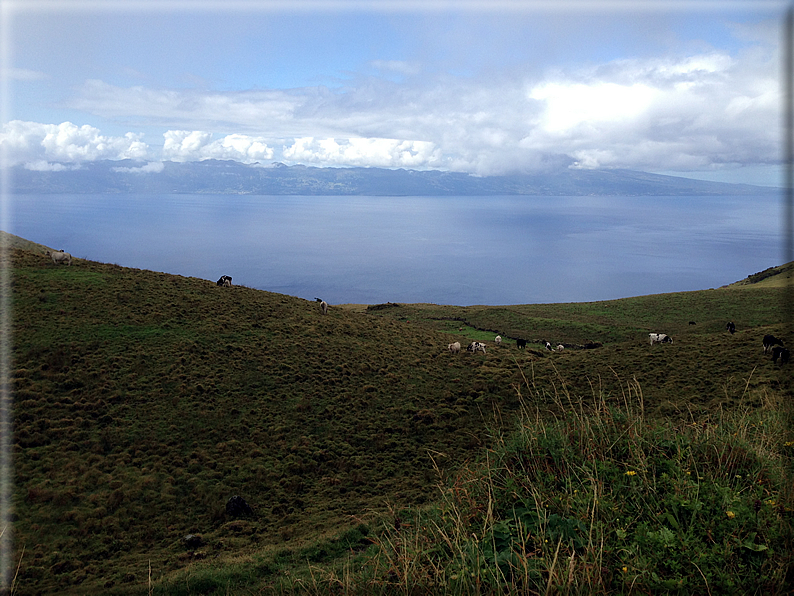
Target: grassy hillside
143,401
773,277
10,241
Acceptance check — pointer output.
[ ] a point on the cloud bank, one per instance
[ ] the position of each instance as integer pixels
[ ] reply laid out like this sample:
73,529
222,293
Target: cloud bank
385,153
32,142
701,112
153,167
183,145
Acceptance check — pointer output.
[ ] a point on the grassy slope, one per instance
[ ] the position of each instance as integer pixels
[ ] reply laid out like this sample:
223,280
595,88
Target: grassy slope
10,241
143,401
774,277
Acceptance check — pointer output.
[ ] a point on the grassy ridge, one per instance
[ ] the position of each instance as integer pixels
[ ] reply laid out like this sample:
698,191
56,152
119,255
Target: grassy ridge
779,276
612,320
143,401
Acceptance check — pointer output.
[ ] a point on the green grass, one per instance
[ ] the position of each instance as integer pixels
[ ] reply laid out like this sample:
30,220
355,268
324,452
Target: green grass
601,500
143,401
773,277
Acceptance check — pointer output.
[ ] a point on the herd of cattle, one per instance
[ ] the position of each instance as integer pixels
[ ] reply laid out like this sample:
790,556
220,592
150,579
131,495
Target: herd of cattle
478,346
771,343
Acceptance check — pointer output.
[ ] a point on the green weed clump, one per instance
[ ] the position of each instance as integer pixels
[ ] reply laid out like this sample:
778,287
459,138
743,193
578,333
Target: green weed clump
600,499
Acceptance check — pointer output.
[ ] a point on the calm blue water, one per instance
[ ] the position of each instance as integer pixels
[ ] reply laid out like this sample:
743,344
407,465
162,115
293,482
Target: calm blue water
445,250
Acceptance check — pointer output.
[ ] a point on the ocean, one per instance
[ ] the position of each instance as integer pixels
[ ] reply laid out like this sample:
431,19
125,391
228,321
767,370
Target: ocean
445,250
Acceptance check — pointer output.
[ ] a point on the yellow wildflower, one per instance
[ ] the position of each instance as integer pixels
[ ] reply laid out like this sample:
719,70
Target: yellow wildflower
631,473
625,570
730,514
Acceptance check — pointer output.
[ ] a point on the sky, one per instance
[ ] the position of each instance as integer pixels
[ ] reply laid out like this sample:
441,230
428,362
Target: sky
689,88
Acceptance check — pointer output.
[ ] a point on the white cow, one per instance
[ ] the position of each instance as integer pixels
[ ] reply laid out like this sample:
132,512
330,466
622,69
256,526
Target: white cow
59,256
560,348
454,348
497,340
661,338
323,305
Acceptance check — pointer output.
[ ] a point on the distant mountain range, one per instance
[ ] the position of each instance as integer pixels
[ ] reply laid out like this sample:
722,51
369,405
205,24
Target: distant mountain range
229,177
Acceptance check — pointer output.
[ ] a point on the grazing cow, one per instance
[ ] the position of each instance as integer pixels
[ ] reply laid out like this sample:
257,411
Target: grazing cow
782,353
661,338
476,346
547,345
770,341
59,256
730,327
323,305
225,281
521,343
692,323
454,348
560,348
497,340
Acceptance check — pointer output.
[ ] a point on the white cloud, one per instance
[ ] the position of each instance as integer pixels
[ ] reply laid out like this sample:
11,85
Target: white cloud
184,145
153,167
32,142
572,105
700,112
386,153
45,166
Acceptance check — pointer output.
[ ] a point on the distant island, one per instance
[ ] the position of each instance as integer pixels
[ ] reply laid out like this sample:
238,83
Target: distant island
230,177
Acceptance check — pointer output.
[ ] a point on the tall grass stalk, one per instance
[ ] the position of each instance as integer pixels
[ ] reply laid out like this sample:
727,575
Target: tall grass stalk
14,585
593,497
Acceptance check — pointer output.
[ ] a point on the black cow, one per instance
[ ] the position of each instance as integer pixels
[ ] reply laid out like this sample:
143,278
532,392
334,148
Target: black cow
521,343
225,281
731,327
237,507
782,353
769,341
